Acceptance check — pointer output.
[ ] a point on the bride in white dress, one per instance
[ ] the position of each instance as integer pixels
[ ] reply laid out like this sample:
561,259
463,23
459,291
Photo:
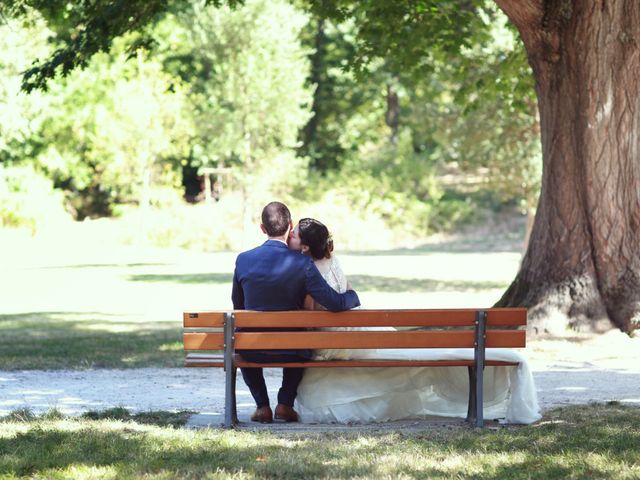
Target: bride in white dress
354,395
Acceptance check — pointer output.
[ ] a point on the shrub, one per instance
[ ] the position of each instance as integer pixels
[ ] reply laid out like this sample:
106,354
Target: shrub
28,199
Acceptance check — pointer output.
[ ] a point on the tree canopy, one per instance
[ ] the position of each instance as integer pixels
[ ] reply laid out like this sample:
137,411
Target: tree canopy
384,96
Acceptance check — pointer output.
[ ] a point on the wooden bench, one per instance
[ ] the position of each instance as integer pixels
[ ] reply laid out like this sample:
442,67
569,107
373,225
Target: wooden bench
459,328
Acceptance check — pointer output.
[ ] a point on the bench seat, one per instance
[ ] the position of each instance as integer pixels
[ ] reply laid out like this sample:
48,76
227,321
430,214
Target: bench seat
206,333
217,360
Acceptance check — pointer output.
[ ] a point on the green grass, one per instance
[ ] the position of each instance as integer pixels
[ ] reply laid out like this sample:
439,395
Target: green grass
107,265
69,340
594,441
122,308
364,283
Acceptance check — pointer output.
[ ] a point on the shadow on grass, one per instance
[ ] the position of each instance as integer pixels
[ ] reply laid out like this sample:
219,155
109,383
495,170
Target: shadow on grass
72,340
455,247
130,453
104,265
184,278
159,418
508,243
375,283
364,283
580,442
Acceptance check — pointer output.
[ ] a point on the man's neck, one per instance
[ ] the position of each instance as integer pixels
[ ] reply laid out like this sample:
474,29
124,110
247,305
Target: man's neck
279,239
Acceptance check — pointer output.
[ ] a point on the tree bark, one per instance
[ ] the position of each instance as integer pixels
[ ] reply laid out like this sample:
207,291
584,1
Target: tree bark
392,115
317,77
582,265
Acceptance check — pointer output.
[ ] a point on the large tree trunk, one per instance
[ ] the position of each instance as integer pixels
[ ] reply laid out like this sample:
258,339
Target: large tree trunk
582,266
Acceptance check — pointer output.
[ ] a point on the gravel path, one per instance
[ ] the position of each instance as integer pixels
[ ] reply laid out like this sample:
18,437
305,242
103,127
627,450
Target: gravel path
565,372
202,390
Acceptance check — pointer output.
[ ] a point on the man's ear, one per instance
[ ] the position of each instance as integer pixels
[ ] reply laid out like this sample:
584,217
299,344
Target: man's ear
264,230
304,248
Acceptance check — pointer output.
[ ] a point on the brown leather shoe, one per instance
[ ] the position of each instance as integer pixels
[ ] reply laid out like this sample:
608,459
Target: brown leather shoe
286,413
262,415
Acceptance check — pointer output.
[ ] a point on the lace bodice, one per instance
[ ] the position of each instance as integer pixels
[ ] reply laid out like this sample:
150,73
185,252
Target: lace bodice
332,272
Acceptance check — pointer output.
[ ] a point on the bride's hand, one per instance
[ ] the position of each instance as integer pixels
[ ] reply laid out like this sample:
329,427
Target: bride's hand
309,303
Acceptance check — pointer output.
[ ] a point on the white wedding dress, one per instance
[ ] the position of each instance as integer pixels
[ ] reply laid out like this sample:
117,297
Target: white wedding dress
357,395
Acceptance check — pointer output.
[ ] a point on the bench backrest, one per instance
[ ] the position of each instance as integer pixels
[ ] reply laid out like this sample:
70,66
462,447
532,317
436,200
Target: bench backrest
449,328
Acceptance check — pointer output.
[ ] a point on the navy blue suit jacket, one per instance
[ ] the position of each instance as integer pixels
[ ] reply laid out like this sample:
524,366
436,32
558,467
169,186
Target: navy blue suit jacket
273,278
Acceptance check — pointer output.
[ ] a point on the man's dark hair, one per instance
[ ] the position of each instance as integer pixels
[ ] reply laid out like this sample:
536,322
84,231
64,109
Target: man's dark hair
276,219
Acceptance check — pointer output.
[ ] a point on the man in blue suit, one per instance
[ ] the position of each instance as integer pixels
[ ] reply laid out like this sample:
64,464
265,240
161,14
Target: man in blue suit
273,278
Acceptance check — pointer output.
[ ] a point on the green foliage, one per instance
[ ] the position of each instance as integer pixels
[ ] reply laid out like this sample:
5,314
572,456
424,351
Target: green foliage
249,98
470,110
299,105
413,36
83,29
396,184
22,415
86,28
108,128
21,115
346,111
98,134
28,199
493,124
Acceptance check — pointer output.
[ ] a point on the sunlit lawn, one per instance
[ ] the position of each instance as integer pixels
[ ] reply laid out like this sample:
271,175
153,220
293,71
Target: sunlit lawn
70,340
93,305
576,442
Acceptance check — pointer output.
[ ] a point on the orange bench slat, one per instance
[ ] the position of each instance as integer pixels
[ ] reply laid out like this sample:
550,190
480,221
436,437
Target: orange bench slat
497,317
203,341
354,340
203,319
217,360
396,318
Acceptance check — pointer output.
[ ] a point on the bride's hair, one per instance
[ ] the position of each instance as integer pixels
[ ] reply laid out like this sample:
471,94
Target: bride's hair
316,236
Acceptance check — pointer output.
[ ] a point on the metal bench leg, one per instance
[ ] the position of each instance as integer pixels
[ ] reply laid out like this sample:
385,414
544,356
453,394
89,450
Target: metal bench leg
471,409
230,412
481,319
234,407
479,398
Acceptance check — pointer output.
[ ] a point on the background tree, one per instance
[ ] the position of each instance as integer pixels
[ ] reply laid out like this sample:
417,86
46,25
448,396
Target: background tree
582,263
27,196
583,259
443,119
346,111
249,96
21,115
108,130
492,130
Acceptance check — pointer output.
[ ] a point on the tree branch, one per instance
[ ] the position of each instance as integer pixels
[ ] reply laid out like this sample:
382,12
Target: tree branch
531,18
523,13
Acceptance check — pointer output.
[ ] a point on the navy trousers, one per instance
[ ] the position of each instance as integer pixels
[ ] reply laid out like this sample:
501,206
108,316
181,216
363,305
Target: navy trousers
291,377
